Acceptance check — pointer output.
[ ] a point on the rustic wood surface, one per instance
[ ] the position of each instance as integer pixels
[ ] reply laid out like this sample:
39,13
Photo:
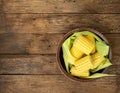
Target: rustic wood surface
30,31
58,23
60,6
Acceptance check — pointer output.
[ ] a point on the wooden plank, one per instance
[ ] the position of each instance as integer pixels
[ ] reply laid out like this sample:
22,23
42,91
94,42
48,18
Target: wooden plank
56,84
28,64
60,6
40,64
41,43
58,23
29,43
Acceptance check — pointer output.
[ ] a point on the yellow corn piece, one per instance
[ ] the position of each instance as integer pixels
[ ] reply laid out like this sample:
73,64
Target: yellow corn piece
92,39
76,52
77,72
84,44
97,60
84,64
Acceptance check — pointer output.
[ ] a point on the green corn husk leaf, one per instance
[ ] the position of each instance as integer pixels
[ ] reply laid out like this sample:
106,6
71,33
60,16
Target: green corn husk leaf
66,53
102,48
105,64
65,61
98,75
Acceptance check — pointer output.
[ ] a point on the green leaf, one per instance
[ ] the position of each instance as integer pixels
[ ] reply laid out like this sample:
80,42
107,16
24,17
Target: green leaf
98,75
87,33
102,48
66,51
67,56
105,64
65,61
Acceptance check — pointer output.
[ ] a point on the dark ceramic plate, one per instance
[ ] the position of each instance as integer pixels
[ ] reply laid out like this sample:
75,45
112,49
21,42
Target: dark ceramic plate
60,59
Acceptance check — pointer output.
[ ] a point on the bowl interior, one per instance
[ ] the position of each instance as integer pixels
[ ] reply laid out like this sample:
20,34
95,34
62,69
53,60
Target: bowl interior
60,53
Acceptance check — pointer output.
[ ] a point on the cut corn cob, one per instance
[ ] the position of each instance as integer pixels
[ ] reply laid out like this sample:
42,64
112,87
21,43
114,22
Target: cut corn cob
76,52
77,72
84,44
97,60
84,64
92,39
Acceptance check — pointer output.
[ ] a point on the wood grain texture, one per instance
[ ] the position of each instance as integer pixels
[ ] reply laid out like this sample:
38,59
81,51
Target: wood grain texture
58,23
28,64
56,84
41,43
30,31
29,43
60,6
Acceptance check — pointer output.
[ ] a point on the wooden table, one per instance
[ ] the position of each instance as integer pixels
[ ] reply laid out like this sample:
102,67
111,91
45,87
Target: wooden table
30,31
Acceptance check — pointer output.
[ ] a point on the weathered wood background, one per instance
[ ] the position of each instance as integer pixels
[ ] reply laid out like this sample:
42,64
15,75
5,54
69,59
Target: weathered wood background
30,31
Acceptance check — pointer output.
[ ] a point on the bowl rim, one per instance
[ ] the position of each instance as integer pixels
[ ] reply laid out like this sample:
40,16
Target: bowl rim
69,34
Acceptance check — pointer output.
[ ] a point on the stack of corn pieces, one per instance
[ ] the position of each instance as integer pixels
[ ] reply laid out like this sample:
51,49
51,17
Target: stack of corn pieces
84,50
